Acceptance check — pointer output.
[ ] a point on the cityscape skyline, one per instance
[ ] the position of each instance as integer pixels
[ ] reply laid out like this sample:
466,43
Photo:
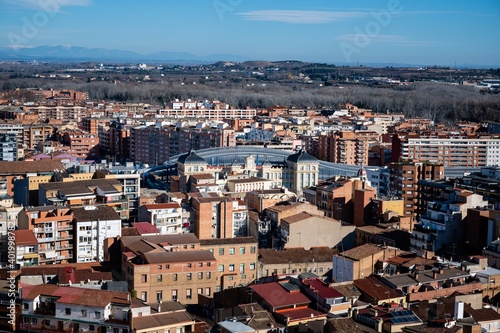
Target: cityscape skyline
395,31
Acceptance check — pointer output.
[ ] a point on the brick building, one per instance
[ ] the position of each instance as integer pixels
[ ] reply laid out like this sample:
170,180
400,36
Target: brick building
236,260
168,267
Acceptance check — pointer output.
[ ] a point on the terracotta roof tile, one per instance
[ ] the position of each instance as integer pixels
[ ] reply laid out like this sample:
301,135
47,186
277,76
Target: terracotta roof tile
24,167
25,237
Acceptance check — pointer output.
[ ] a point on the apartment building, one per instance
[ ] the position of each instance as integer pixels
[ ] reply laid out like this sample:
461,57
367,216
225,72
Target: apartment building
346,147
36,133
212,114
403,182
53,308
168,267
219,217
359,262
130,179
26,248
77,193
167,217
13,171
8,147
444,222
309,230
93,225
155,145
236,260
449,150
65,114
54,231
82,145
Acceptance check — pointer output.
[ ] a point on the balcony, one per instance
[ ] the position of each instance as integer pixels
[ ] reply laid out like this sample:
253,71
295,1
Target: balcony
65,227
64,237
45,239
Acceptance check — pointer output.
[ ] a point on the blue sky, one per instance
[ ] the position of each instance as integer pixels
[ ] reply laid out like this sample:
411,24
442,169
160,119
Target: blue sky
336,31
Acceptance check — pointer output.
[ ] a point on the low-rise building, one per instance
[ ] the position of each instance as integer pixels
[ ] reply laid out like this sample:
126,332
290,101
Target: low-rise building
168,267
64,309
236,260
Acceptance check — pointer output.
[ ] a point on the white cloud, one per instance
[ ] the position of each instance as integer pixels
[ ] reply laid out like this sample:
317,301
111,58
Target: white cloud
299,16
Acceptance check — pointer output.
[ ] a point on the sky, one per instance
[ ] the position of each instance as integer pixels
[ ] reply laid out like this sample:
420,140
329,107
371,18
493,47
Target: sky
418,32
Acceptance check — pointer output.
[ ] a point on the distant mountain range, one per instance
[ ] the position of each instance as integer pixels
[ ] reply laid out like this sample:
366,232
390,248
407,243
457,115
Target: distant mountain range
78,54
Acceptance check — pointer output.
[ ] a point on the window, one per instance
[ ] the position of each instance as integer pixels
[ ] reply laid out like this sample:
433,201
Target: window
221,251
160,278
144,296
200,291
97,315
209,275
174,277
207,291
189,276
91,328
185,247
192,246
144,278
68,311
221,268
200,264
190,265
242,250
84,313
252,249
26,306
231,250
209,264
200,276
174,295
188,294
242,268
159,295
167,266
252,266
231,267
159,266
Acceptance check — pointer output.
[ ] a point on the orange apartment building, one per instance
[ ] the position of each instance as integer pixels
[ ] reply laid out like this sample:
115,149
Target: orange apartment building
82,145
34,134
237,260
168,267
53,229
219,217
346,147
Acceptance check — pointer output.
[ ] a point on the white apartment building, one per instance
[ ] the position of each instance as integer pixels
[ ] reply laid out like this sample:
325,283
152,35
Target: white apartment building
453,151
49,307
167,217
93,224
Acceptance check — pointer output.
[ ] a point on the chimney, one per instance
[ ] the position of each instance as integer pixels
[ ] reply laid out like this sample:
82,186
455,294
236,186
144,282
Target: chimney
159,306
434,275
459,310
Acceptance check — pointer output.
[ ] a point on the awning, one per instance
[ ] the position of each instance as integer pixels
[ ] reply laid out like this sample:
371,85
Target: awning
50,254
30,255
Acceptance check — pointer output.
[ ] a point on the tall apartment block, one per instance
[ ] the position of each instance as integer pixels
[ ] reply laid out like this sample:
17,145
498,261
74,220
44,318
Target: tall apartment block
403,182
53,228
463,151
345,147
154,145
